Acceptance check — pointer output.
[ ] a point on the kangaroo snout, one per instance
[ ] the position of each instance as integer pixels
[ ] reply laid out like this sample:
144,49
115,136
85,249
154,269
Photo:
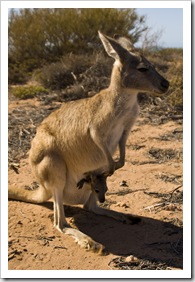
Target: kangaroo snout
102,199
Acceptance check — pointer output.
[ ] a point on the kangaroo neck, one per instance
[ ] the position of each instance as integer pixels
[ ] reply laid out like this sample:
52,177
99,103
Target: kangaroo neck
119,93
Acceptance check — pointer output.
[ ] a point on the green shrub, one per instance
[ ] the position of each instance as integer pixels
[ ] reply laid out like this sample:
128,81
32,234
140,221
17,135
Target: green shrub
17,75
49,34
25,92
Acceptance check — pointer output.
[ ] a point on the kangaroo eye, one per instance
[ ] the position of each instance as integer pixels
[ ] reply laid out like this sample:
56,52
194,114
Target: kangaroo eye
142,68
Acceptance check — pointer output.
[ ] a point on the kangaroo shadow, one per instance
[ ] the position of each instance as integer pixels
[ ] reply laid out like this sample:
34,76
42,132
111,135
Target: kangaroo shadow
150,239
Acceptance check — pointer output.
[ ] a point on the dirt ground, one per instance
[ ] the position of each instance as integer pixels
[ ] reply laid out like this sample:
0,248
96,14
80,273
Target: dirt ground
149,185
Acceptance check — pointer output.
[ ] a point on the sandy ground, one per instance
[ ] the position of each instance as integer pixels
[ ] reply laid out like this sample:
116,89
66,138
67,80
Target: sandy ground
149,185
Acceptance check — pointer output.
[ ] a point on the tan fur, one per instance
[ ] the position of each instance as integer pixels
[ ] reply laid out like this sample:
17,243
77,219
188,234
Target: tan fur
83,135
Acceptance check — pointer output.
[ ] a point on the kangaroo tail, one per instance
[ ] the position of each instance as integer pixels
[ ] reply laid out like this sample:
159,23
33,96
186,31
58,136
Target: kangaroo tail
37,196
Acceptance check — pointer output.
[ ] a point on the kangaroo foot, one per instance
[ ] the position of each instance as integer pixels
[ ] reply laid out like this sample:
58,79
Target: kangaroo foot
85,241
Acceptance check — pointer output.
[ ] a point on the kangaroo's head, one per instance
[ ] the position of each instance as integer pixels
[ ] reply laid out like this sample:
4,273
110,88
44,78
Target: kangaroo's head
136,72
99,186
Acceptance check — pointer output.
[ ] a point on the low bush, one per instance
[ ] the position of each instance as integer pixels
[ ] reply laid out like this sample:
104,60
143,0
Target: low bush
90,71
26,92
56,76
17,75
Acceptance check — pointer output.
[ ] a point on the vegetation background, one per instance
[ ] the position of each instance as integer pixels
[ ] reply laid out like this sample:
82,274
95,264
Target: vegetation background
59,50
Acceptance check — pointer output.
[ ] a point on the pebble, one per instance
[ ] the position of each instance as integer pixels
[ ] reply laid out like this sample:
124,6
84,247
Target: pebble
157,101
122,204
10,240
123,183
131,258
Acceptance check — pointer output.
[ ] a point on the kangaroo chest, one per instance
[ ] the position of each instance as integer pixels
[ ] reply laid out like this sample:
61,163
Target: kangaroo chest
123,121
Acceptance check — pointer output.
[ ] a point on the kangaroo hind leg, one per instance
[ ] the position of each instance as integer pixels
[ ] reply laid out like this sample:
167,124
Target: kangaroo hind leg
51,172
85,241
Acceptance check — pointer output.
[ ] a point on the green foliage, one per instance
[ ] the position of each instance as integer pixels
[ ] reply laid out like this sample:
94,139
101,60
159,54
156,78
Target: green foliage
25,92
17,74
42,36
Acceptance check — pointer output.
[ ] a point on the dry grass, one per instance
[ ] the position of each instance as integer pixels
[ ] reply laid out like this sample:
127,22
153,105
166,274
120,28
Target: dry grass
78,76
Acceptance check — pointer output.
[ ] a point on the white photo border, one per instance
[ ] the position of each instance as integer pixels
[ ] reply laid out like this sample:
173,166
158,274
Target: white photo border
186,272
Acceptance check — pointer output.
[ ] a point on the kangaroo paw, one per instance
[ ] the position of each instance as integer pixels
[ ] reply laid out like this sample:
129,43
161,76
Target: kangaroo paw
85,241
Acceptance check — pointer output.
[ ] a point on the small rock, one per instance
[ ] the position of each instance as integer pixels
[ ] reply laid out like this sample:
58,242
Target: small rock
124,183
20,258
124,205
131,258
157,101
10,241
20,222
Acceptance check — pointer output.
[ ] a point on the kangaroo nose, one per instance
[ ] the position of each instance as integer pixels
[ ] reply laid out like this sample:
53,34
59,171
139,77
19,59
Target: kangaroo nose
102,199
165,84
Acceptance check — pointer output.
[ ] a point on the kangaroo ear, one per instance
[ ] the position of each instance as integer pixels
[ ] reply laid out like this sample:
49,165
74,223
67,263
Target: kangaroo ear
113,48
124,42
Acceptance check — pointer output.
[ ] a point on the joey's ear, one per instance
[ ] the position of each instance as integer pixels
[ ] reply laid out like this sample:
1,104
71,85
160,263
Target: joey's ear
113,48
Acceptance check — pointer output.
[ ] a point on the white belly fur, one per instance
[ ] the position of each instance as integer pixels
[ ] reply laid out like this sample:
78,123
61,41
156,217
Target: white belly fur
125,119
115,137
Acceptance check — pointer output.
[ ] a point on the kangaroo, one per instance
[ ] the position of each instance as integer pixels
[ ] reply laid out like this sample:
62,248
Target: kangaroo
83,135
98,184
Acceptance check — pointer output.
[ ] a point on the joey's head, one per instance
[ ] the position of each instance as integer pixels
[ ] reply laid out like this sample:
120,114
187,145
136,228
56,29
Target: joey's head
99,186
135,71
